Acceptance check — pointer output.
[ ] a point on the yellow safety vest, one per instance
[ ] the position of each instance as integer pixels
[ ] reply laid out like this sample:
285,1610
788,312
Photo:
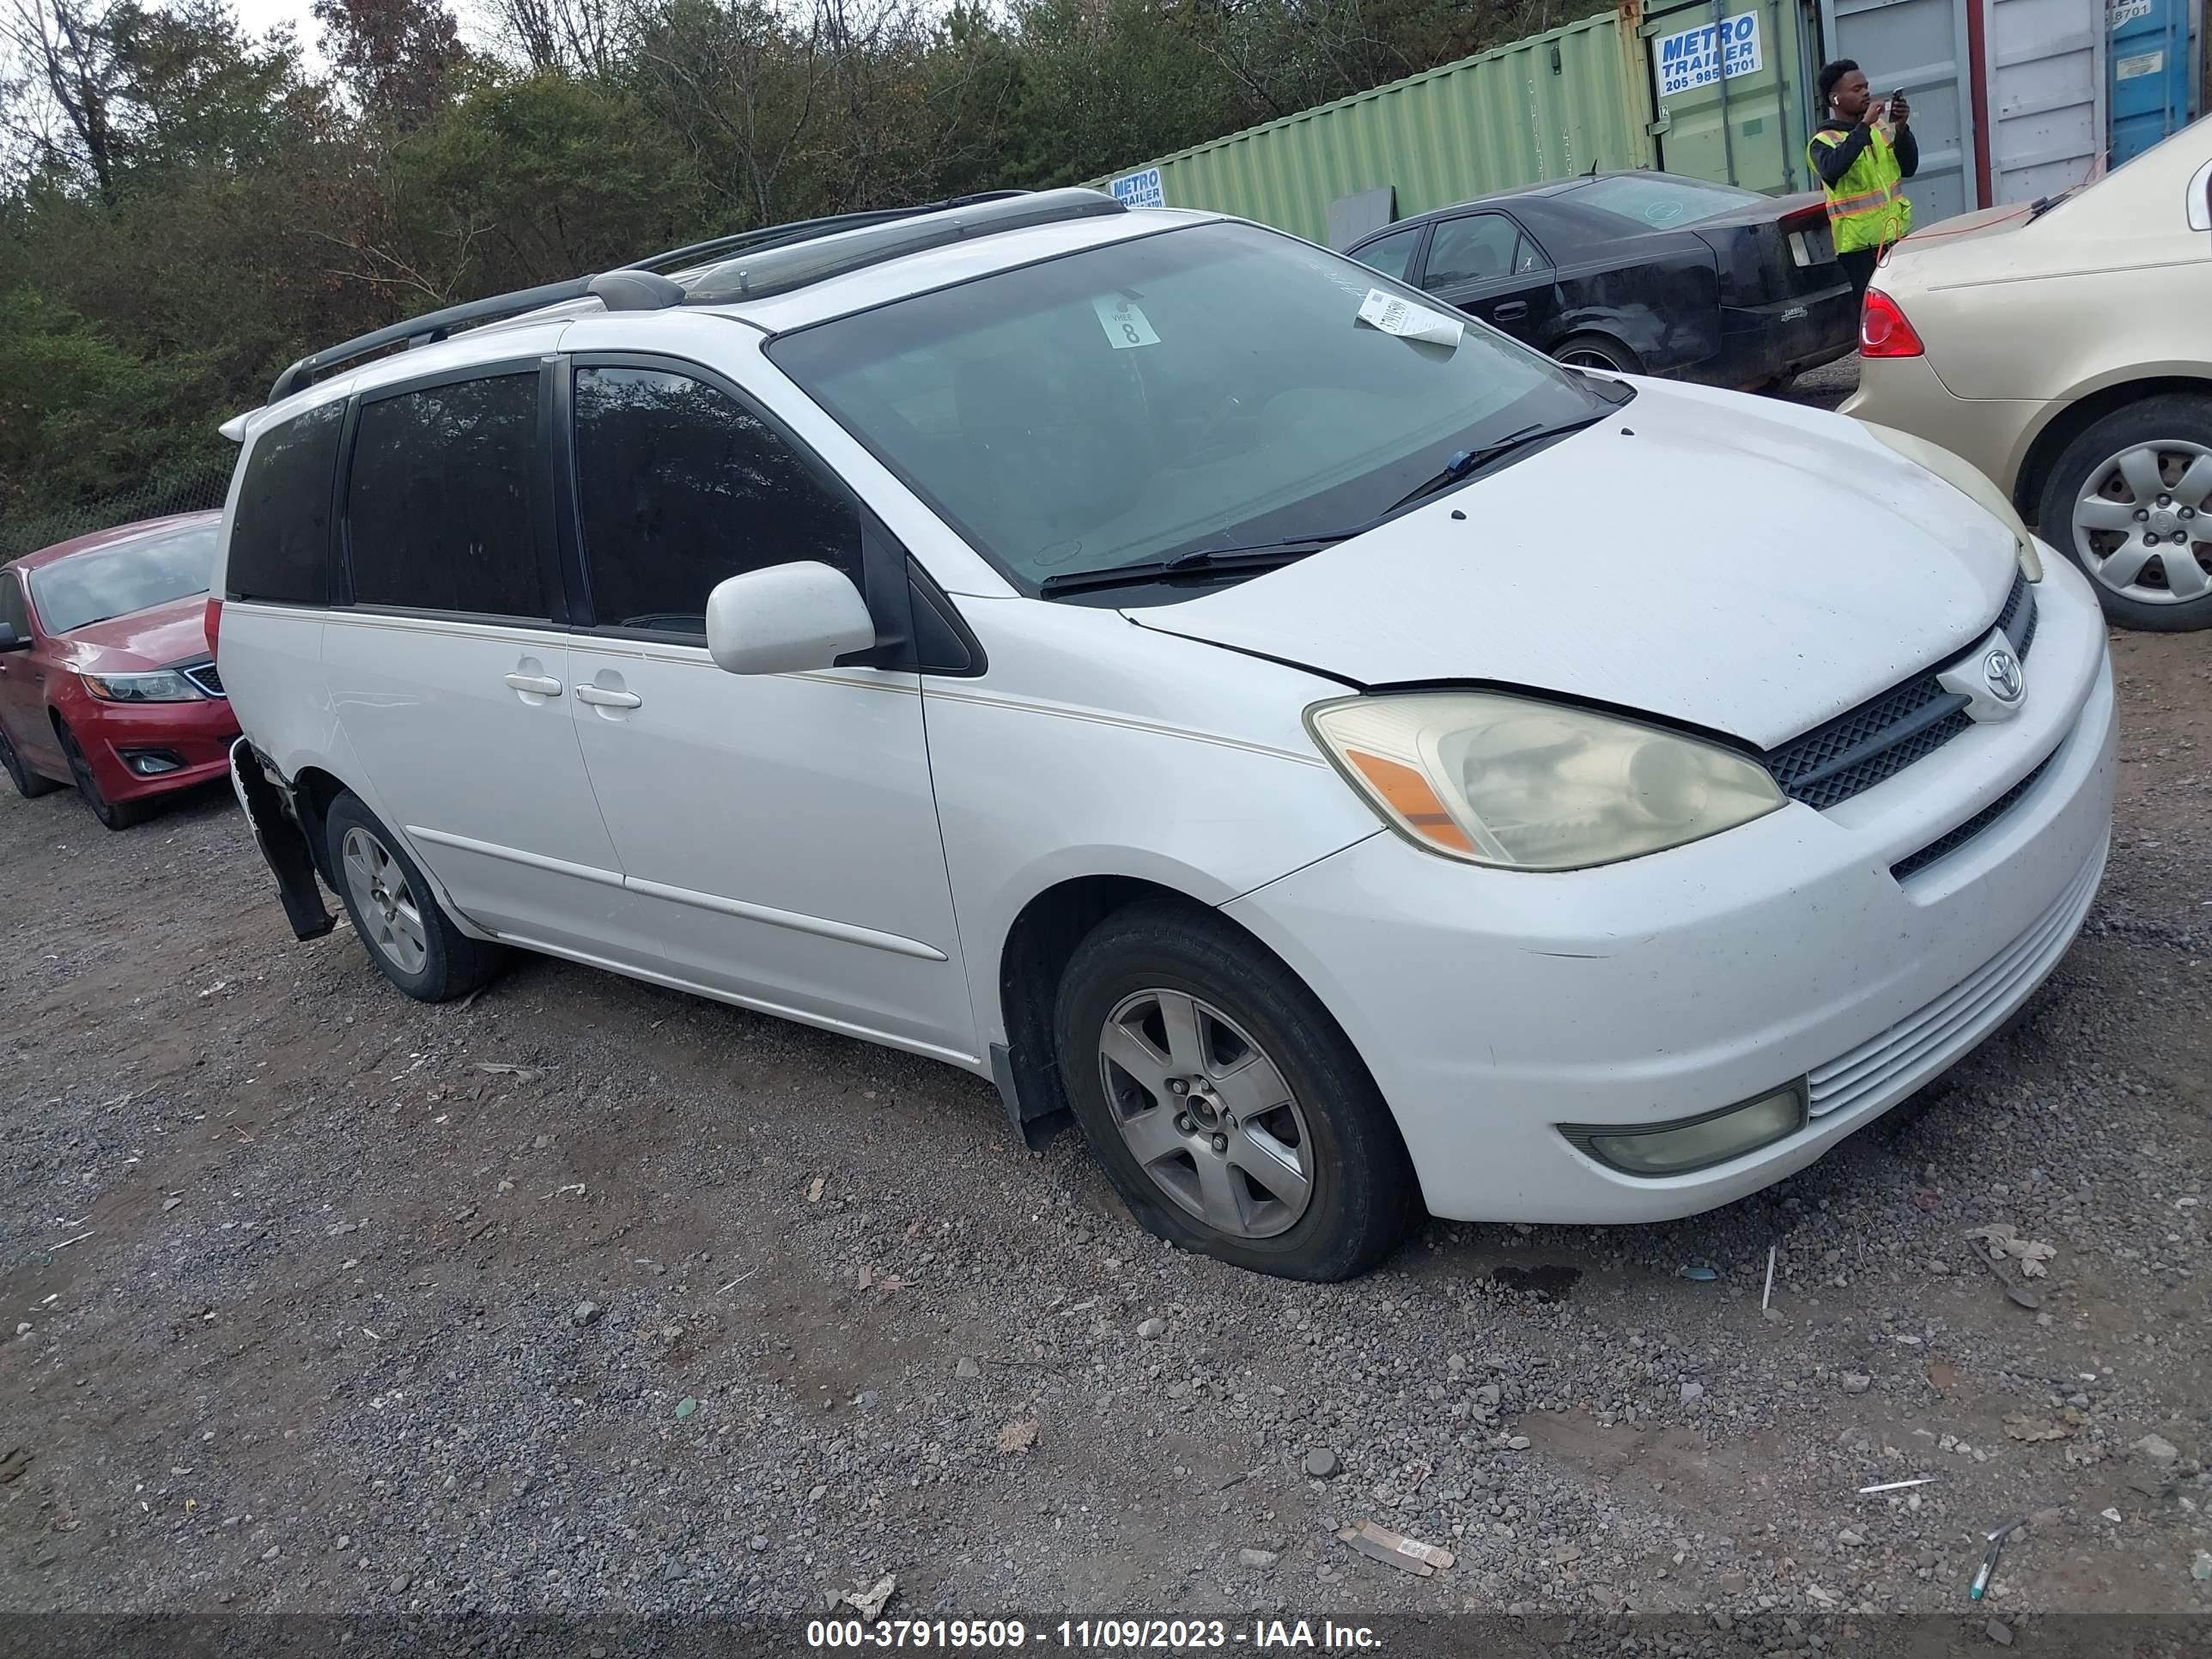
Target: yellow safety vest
1866,207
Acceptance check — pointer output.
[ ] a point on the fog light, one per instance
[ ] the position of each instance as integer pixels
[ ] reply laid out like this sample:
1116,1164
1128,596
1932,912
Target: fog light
151,763
1693,1143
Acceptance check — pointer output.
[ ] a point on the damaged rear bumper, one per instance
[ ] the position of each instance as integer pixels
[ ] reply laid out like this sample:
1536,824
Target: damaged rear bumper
283,843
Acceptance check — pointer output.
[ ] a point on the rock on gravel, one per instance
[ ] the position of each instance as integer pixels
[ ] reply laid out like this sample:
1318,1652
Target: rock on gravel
1153,1328
583,1313
2159,1449
1856,1382
967,1368
1324,1464
1251,1558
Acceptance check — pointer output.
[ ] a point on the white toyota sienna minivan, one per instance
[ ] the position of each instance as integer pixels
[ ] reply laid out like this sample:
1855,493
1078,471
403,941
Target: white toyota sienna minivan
1351,761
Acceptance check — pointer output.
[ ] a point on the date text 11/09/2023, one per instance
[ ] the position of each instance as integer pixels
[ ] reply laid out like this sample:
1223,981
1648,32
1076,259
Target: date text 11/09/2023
1092,1635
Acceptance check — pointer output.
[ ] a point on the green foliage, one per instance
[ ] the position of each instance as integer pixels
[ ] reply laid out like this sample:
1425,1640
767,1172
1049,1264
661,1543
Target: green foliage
81,417
184,209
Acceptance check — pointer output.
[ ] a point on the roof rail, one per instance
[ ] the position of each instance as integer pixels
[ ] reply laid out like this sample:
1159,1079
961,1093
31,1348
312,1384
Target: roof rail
635,287
780,270
762,236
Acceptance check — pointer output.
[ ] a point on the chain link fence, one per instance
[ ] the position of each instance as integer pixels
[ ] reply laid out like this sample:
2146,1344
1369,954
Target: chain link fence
188,490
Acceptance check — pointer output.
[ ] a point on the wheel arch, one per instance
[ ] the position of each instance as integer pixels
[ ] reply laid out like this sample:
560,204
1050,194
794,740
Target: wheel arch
2070,418
1032,958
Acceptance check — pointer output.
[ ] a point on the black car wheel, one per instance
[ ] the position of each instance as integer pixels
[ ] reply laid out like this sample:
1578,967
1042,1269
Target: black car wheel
28,784
112,814
1599,352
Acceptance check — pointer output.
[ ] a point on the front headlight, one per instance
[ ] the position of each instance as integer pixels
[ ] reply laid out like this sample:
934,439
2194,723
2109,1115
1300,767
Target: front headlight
160,686
1956,471
1524,785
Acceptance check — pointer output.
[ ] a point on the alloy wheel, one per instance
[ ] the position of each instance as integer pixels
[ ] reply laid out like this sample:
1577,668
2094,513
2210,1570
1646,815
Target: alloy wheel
1206,1113
385,902
2143,522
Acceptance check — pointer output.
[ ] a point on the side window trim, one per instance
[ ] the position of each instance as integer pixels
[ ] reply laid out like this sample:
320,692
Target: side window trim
1545,262
552,587
883,560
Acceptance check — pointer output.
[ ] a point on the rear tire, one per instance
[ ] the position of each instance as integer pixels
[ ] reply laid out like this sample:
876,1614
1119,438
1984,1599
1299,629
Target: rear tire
112,815
407,934
1597,351
2153,457
1229,1110
28,784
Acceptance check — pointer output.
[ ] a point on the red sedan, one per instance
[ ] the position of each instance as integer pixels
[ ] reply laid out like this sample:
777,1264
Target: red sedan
106,677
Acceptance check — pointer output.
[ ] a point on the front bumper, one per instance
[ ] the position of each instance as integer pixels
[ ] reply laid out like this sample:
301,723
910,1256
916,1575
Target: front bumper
196,735
1493,1006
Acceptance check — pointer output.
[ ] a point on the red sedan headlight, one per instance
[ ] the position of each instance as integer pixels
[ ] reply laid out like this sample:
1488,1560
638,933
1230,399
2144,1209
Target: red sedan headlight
163,685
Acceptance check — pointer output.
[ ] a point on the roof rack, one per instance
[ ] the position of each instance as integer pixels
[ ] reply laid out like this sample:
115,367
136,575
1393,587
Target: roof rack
781,269
639,287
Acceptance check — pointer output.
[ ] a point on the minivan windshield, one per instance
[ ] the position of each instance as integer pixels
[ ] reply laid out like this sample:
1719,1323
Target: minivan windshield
133,576
1194,391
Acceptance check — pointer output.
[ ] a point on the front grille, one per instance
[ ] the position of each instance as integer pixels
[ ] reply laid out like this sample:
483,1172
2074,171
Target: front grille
1880,738
1857,750
1973,826
2017,620
203,675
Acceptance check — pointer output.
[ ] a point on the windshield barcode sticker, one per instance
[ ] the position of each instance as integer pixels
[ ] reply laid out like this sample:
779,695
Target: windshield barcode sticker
1125,324
1408,321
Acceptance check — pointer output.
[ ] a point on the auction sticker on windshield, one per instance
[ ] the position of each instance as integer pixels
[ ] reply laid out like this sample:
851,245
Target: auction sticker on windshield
1125,323
1408,321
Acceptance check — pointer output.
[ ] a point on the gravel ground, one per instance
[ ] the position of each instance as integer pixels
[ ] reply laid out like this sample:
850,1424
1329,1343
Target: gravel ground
589,1297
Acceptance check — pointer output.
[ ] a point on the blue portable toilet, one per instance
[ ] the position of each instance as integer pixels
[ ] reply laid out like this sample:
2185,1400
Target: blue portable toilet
2148,50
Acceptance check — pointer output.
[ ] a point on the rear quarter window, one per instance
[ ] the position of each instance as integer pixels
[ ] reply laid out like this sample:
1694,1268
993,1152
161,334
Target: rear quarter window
280,537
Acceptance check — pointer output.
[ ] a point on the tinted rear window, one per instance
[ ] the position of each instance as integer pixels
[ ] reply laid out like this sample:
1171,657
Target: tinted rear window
1653,202
114,581
440,505
280,540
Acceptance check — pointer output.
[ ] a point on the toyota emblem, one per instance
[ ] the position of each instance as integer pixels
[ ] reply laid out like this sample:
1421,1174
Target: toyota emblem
2001,669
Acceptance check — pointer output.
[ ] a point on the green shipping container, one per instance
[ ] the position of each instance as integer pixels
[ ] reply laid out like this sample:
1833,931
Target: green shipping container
1552,104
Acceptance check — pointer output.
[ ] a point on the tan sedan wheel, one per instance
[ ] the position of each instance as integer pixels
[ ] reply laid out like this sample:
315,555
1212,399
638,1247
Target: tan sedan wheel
2130,500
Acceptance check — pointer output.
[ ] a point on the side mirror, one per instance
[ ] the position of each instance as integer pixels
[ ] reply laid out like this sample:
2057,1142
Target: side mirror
11,640
786,619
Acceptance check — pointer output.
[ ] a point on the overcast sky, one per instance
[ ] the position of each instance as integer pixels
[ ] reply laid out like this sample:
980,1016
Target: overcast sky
258,17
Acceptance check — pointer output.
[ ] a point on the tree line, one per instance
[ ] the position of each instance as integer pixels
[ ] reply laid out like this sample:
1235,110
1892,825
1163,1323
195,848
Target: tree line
185,208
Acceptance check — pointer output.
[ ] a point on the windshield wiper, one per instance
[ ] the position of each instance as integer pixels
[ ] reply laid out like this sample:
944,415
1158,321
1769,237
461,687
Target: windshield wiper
1249,559
1468,462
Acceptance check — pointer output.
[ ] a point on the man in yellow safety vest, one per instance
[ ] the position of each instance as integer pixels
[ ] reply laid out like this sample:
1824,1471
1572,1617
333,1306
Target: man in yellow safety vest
1862,168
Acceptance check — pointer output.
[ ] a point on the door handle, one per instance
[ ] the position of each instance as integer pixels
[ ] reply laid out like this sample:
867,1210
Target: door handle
540,685
1511,311
599,697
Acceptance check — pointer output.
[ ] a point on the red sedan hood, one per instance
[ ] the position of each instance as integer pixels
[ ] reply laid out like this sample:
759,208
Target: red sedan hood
174,632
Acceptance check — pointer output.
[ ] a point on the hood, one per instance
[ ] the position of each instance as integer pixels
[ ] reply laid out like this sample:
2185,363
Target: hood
166,633
1744,566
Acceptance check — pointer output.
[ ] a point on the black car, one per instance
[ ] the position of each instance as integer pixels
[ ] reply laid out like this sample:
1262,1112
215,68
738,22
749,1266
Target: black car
1641,272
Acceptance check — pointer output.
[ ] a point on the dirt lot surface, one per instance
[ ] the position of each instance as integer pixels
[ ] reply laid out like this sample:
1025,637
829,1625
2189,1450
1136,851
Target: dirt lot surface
589,1296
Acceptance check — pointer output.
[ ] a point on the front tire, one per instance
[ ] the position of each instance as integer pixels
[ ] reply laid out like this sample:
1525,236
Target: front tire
408,934
28,784
112,814
1231,1112
2130,503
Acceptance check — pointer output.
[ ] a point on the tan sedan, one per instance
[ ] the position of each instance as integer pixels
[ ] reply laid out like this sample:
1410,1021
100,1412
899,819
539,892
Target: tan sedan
2065,347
